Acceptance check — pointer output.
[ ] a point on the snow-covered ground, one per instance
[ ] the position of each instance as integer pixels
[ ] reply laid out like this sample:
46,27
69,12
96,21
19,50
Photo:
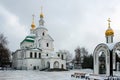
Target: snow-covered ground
39,75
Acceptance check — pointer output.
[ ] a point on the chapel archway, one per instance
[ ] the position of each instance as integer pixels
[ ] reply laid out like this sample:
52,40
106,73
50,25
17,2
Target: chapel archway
102,59
56,64
102,63
48,65
62,66
116,51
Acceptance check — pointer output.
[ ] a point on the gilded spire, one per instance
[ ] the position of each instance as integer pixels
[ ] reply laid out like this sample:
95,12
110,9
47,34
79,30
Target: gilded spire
109,22
33,24
41,14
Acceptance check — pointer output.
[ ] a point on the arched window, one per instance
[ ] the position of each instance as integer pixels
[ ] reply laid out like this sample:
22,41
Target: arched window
47,44
30,54
48,65
56,64
62,66
39,44
58,55
39,55
43,33
35,55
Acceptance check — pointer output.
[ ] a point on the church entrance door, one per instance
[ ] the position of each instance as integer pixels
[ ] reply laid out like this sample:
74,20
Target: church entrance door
56,64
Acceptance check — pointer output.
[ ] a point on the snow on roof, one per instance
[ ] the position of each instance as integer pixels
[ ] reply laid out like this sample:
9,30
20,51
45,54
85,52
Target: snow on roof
110,45
31,35
30,38
41,28
34,49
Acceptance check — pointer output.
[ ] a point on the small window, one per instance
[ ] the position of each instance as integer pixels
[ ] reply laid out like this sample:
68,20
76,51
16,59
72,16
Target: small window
39,55
43,33
30,54
35,55
111,39
107,39
46,54
62,57
38,67
58,55
47,45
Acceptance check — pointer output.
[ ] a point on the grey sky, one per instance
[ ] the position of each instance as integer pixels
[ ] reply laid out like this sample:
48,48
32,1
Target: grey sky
71,23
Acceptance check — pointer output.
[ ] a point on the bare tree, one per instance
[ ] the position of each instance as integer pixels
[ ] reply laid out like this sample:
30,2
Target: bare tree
4,51
77,55
68,55
84,51
3,41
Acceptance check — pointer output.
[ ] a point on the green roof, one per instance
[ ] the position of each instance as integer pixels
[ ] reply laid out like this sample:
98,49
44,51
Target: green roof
28,39
33,37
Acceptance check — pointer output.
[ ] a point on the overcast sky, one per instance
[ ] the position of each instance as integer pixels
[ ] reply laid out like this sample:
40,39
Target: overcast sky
71,23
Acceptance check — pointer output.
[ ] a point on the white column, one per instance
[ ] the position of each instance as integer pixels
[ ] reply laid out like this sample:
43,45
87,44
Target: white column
109,39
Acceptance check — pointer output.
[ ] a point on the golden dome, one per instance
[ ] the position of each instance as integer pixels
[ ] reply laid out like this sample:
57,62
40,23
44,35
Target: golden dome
33,26
109,32
41,15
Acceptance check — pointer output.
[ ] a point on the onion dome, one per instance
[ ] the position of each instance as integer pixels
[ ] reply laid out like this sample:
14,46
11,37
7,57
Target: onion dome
33,24
41,15
109,31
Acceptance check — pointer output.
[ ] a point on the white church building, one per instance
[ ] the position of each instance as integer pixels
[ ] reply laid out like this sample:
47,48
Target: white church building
37,51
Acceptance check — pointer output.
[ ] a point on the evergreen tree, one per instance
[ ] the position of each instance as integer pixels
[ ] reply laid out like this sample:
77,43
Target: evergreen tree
88,62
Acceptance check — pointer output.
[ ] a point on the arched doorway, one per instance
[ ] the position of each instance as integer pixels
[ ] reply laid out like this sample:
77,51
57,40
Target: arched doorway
102,59
102,63
62,66
48,65
56,64
34,67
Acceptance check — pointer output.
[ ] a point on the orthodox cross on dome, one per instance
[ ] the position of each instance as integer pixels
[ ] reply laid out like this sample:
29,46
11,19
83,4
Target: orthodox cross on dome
33,24
109,22
41,14
41,9
33,18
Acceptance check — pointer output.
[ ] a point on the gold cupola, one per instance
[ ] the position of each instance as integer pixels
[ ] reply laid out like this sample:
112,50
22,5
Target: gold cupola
33,24
41,14
109,31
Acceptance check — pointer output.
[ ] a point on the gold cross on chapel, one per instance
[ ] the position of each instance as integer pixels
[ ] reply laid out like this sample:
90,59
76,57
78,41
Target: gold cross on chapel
33,18
109,22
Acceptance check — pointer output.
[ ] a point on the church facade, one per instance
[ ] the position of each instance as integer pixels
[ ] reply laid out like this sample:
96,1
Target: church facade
105,54
37,51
